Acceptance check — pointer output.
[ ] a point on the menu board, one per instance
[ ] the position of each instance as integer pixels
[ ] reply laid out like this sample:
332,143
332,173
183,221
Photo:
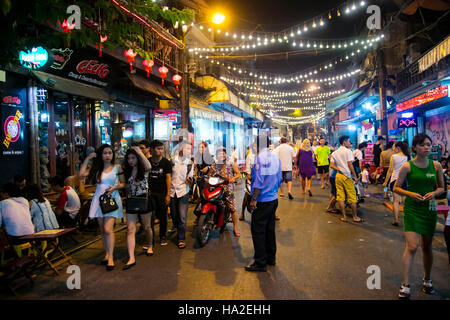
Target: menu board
368,154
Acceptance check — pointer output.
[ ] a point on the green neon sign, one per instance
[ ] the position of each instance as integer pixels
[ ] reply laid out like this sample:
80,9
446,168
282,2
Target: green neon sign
35,58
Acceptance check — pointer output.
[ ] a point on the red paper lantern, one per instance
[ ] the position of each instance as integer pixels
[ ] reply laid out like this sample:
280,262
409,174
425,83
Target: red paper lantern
176,80
130,54
100,45
66,28
163,73
148,64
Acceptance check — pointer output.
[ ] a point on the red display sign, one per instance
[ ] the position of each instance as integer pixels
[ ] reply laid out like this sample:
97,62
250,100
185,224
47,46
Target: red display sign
11,99
93,67
407,122
431,95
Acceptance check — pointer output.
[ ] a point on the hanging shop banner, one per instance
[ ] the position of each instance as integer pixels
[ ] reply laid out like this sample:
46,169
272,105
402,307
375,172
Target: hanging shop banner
204,114
435,55
13,125
232,118
437,93
81,65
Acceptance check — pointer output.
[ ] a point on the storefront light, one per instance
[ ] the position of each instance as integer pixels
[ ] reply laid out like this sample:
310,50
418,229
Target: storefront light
407,115
127,134
352,127
101,123
44,117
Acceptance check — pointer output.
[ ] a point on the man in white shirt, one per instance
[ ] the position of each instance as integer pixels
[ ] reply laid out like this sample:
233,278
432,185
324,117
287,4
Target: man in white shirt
286,154
342,161
182,172
15,212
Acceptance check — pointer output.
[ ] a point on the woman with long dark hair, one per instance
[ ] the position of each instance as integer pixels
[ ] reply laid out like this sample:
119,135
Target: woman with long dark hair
109,179
399,158
136,168
41,211
424,181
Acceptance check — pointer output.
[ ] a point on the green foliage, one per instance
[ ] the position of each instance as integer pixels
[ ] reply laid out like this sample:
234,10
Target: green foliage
35,22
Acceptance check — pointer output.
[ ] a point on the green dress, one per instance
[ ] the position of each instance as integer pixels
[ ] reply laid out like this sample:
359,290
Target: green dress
420,217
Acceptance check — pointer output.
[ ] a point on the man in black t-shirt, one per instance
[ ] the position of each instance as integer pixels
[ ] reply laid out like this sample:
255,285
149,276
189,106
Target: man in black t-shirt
160,180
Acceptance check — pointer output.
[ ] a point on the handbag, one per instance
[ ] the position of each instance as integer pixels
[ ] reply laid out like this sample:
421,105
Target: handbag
108,203
140,204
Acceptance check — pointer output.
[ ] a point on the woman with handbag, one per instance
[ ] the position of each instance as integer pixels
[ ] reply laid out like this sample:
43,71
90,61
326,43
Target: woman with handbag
106,204
136,168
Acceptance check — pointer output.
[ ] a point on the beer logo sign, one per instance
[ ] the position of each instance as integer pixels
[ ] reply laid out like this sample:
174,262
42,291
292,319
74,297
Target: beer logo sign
12,129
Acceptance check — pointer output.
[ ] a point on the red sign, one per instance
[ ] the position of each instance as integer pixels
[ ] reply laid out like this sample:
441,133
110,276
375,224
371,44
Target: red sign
93,67
431,95
368,154
12,129
10,99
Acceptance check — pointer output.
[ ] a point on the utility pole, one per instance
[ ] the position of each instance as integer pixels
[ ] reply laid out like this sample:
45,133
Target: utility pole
381,70
184,90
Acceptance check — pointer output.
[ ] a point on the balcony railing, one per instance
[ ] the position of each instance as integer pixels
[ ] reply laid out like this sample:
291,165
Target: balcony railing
411,75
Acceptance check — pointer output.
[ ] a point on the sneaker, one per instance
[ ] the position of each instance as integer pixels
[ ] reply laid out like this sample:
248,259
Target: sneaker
290,196
404,293
163,242
173,230
427,286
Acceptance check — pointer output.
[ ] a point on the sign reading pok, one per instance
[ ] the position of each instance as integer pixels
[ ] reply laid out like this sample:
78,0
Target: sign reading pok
12,126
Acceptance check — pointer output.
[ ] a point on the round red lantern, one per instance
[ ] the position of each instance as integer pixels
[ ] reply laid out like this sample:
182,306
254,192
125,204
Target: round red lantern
176,80
163,73
130,54
148,64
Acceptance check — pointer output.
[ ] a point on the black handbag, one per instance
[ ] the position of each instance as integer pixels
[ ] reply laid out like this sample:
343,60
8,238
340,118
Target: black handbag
108,203
140,205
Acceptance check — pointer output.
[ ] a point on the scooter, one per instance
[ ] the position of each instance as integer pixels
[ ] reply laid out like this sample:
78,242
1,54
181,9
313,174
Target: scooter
212,213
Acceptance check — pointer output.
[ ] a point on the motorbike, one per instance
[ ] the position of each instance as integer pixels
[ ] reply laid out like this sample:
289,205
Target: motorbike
248,194
212,212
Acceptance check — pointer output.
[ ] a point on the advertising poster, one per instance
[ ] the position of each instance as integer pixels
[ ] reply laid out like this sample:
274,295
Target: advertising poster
13,126
368,154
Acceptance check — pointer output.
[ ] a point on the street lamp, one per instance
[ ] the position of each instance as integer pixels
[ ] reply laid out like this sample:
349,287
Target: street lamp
218,18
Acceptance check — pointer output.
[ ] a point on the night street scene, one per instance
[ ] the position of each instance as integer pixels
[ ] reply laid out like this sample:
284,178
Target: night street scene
224,157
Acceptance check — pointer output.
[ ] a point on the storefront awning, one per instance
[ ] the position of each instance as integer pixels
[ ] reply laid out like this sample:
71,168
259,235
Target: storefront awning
219,93
337,102
150,86
71,87
197,109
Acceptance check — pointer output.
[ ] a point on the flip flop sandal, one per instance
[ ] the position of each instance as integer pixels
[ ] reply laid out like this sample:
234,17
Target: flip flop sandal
361,220
343,220
181,245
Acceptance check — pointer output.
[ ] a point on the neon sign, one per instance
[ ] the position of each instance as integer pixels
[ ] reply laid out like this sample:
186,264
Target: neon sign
35,58
437,93
407,122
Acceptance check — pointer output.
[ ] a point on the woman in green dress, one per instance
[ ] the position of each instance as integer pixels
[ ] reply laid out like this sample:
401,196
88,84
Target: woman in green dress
425,181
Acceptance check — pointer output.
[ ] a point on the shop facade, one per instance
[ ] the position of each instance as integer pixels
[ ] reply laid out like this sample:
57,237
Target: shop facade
77,101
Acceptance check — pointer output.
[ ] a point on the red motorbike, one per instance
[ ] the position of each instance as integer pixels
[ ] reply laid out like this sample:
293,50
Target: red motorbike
211,211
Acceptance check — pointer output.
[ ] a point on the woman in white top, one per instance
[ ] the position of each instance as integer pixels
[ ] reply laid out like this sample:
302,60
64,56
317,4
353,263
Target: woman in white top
399,158
41,212
109,179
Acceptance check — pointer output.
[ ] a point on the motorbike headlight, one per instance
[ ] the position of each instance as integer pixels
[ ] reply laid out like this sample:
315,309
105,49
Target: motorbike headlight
213,180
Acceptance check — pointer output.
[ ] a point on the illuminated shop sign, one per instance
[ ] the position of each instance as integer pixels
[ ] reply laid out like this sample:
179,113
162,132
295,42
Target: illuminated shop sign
432,95
407,122
35,58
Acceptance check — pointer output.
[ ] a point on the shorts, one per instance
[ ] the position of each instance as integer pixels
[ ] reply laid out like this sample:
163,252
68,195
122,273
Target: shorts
391,185
333,186
323,169
365,185
66,221
345,186
286,176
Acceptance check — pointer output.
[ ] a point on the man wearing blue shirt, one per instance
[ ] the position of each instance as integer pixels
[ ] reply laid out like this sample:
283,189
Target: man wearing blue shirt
266,180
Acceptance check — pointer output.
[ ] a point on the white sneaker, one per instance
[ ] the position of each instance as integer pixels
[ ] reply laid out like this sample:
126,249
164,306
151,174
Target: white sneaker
427,286
405,292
